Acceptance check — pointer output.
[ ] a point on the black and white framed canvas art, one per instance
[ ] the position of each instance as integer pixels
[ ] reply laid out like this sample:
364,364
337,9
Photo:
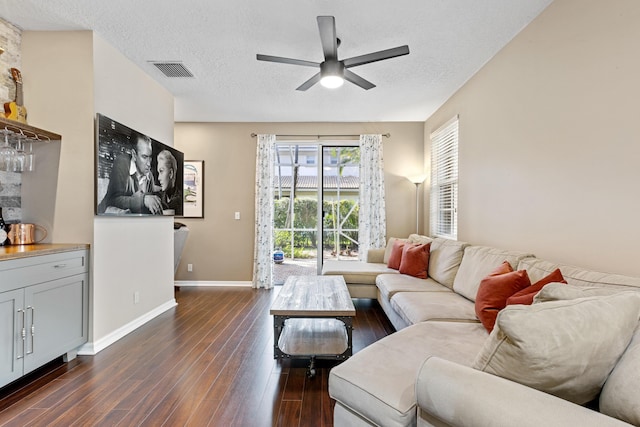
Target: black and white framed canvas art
135,174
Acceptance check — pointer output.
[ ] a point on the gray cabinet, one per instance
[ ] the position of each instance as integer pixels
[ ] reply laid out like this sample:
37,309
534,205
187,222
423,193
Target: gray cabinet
11,356
44,303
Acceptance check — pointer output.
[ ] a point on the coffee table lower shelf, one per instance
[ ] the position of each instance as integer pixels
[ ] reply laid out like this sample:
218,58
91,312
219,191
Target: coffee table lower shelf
312,338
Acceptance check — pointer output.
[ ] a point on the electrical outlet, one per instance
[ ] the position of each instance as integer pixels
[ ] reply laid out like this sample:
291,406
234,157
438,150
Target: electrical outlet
189,267
136,297
237,216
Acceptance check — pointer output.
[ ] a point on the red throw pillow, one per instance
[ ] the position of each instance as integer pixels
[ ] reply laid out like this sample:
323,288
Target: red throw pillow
396,254
503,268
526,295
415,260
494,291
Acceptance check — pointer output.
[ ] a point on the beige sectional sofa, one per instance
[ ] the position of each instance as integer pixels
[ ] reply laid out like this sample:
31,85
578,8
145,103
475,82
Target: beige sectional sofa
442,367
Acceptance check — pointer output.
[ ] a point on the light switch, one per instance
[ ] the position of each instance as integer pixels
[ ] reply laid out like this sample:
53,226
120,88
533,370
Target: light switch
237,216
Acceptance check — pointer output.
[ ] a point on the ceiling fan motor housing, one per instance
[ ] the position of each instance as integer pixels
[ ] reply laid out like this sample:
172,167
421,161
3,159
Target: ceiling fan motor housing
332,68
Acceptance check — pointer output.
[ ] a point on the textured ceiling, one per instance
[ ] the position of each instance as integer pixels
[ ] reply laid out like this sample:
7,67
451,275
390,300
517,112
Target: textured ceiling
218,41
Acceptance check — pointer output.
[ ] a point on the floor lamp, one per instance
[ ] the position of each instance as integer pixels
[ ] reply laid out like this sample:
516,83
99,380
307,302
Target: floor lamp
417,180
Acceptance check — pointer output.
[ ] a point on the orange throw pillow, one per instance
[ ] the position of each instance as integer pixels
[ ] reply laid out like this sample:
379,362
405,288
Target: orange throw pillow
415,260
526,295
396,254
494,291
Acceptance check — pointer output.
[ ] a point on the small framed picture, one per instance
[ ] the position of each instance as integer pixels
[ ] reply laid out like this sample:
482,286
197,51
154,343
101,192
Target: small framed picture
193,206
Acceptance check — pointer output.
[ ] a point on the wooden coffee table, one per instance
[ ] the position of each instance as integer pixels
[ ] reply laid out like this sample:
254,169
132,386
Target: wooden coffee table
312,318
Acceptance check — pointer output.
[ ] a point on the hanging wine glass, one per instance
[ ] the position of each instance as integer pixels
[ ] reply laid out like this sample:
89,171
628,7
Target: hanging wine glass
30,159
7,152
21,157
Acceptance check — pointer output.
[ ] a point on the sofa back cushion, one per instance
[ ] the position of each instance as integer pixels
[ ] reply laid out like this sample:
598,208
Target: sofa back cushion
558,292
444,260
566,348
419,239
477,263
619,397
538,268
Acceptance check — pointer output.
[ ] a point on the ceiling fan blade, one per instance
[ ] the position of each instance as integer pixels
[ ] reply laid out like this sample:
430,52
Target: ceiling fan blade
328,38
376,56
282,60
313,80
352,77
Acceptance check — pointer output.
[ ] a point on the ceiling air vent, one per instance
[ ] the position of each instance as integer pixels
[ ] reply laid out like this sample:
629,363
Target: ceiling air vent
172,68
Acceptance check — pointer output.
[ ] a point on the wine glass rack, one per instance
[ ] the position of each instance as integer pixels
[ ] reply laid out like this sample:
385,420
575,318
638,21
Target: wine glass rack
32,133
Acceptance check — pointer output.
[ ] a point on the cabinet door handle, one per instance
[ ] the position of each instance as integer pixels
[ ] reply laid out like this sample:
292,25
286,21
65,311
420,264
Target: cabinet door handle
32,329
60,266
23,334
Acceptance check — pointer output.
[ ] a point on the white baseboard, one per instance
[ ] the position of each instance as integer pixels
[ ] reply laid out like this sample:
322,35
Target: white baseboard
93,348
210,283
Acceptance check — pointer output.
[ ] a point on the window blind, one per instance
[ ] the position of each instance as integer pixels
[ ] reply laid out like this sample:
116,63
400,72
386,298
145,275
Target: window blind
444,180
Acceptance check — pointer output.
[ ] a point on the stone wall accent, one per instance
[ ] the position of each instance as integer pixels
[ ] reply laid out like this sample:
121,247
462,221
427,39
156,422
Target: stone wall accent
10,183
10,200
10,41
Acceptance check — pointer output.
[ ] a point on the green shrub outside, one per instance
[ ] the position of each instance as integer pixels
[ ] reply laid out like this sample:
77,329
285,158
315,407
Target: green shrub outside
305,216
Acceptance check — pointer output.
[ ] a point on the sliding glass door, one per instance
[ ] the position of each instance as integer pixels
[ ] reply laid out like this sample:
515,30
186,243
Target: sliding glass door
316,206
340,202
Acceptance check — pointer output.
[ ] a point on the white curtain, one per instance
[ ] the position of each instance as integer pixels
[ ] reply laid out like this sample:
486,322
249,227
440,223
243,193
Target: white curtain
263,248
372,222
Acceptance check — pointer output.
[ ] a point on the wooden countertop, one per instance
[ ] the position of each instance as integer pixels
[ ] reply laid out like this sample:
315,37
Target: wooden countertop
24,251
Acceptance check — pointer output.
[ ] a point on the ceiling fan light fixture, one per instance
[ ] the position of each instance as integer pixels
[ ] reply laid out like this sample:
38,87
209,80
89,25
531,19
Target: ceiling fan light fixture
332,82
332,73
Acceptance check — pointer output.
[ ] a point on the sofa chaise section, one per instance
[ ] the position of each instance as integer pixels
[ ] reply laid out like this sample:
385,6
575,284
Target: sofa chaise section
377,385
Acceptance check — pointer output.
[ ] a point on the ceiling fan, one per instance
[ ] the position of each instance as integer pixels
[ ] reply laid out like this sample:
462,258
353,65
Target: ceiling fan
333,71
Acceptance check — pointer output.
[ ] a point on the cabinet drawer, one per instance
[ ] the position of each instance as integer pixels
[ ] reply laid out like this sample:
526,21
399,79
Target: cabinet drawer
42,268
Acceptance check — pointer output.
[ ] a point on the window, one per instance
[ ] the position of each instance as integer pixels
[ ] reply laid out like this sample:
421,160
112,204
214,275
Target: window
444,180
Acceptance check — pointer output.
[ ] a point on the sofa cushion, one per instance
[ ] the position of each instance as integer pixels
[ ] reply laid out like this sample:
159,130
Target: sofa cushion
576,276
526,295
565,348
477,263
375,255
416,307
355,271
444,260
619,397
415,260
389,284
419,239
395,257
378,382
559,291
494,291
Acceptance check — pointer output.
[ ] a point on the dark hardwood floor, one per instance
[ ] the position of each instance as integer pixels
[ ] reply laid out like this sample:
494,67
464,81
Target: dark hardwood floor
207,362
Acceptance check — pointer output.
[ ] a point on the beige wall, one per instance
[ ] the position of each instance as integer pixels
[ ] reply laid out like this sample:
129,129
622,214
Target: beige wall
548,139
73,75
70,84
220,248
132,254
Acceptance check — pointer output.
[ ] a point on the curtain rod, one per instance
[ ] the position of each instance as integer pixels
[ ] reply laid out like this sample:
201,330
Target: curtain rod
386,135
